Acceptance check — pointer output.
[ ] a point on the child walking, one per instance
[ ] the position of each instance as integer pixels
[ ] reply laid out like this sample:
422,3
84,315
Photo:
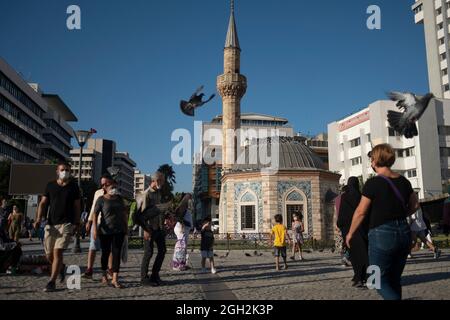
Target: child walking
207,244
279,244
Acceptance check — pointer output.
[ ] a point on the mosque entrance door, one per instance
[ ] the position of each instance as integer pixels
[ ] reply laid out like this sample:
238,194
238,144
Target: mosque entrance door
290,210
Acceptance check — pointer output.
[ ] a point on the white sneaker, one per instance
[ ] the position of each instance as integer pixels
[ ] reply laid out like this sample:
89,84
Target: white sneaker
409,256
213,270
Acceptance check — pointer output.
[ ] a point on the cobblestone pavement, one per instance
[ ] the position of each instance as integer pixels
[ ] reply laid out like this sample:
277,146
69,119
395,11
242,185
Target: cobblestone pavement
241,275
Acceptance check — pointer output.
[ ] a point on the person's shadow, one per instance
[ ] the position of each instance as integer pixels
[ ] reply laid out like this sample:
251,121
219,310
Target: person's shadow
421,278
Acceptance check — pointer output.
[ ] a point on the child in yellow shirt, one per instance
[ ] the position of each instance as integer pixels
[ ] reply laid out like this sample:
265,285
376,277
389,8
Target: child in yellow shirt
279,243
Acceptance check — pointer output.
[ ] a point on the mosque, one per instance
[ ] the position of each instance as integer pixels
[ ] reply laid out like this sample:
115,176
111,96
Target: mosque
248,197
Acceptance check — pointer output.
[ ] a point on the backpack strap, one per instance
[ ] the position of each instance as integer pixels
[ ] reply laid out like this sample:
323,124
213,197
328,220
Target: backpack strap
396,191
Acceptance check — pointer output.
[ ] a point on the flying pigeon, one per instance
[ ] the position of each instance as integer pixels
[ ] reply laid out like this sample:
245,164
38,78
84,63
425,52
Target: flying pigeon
188,108
248,254
226,255
413,108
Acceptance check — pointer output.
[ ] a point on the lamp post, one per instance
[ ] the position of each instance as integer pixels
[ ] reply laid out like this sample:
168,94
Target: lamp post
82,136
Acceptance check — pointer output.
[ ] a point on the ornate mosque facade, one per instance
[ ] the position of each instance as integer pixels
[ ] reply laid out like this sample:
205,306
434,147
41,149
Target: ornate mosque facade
250,196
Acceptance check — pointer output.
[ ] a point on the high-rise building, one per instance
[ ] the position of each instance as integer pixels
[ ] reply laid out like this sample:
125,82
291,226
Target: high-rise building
33,125
141,181
424,160
435,17
98,156
125,177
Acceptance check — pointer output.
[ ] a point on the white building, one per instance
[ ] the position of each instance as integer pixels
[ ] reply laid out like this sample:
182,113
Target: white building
141,181
424,160
125,177
435,15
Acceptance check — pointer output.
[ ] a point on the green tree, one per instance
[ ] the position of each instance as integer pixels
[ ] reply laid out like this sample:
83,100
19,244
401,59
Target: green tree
167,189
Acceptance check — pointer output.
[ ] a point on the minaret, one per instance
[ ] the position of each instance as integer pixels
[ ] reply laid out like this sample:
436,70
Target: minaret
232,87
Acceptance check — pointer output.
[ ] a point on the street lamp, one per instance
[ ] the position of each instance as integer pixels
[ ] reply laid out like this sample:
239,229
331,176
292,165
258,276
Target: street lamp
82,136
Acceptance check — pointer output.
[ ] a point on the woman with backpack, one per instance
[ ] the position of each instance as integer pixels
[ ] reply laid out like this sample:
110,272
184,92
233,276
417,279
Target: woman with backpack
388,199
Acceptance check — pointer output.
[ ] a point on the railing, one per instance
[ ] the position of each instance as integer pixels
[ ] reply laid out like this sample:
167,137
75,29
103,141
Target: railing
235,241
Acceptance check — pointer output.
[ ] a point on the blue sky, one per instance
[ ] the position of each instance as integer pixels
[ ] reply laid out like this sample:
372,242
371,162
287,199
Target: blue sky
125,71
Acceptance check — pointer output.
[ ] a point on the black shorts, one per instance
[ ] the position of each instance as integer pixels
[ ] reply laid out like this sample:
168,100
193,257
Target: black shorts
277,251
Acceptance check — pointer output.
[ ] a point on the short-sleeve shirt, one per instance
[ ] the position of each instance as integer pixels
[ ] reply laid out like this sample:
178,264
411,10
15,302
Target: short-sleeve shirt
279,231
61,202
385,206
113,218
207,240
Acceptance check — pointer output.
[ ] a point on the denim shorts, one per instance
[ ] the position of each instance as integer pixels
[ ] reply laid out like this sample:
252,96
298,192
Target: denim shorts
94,245
279,251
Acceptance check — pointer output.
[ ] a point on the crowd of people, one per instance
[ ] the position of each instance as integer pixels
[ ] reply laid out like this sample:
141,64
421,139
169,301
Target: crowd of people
380,223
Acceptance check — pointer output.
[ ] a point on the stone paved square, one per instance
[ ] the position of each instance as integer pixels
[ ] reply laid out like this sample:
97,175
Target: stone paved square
241,275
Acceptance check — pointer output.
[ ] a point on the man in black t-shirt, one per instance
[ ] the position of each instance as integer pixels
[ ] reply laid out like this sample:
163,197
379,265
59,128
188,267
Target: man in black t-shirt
62,198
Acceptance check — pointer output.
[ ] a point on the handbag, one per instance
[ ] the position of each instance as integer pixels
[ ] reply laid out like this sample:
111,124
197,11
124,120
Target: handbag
396,192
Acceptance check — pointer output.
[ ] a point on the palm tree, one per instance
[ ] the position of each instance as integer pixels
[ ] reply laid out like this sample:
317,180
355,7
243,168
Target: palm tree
169,173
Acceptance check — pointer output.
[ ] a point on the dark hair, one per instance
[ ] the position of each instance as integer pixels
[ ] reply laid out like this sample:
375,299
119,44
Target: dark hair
63,163
278,218
107,176
206,219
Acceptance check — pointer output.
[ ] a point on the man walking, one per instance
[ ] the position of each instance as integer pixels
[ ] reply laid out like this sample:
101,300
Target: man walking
150,216
62,198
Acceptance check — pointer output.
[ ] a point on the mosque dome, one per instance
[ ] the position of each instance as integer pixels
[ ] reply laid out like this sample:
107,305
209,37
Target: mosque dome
293,155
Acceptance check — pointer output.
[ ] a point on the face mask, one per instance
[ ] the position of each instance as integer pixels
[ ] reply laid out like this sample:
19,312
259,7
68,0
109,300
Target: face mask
64,175
113,192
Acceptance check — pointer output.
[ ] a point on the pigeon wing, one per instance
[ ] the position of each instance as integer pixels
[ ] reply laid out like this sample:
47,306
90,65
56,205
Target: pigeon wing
404,100
197,92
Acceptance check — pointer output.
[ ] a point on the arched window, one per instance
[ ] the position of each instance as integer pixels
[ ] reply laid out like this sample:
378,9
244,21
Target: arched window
248,205
295,202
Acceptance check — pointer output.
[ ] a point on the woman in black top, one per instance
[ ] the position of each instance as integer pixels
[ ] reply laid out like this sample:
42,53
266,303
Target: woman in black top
388,199
358,252
111,230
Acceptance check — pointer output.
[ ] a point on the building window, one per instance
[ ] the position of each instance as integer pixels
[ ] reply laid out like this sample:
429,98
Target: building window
442,41
447,88
439,11
355,142
248,218
445,72
248,212
440,26
443,56
418,9
393,133
356,161
405,153
411,173
368,137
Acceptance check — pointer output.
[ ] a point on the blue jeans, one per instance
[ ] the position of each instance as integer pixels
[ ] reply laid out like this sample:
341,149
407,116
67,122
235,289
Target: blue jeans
389,246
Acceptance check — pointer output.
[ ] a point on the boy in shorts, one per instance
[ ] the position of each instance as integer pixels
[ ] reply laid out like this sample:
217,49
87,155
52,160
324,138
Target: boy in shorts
279,235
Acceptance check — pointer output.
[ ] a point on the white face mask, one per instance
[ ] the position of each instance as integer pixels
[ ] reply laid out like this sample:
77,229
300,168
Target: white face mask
64,175
113,192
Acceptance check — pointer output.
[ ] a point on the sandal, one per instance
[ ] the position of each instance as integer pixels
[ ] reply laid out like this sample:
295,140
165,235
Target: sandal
117,285
105,280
